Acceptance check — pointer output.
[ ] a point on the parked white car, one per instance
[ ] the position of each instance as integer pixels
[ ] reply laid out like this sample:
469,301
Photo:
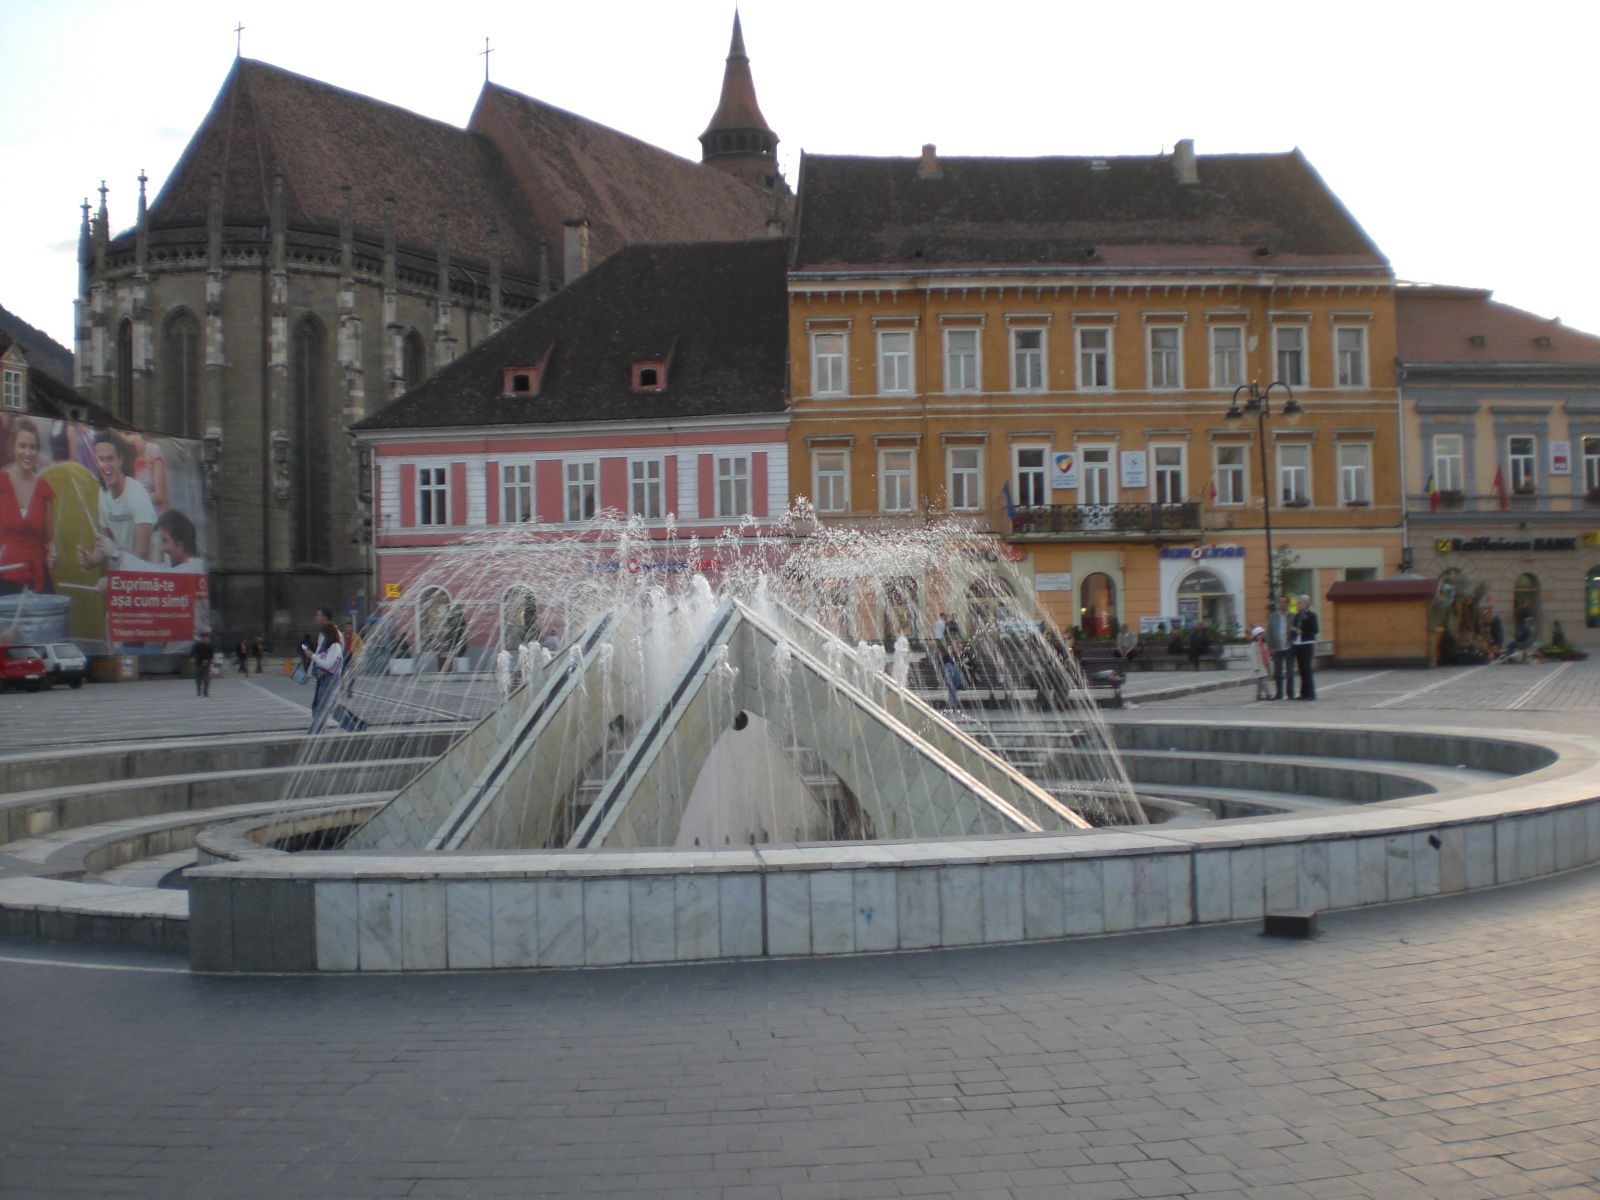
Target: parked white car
64,663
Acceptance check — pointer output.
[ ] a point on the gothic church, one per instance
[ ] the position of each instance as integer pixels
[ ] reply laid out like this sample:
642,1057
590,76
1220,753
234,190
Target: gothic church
315,253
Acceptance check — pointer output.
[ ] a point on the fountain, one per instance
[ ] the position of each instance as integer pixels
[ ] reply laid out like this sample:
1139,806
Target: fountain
720,695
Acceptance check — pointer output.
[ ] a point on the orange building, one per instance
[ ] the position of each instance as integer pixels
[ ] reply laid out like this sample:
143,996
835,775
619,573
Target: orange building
1050,348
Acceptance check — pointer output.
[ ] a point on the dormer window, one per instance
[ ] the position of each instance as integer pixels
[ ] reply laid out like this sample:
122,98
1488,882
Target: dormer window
650,376
521,381
11,388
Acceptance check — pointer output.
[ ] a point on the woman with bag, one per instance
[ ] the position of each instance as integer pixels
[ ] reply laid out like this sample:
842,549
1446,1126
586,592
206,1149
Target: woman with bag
325,661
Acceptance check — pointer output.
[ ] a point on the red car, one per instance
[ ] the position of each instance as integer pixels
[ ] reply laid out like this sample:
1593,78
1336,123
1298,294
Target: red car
21,665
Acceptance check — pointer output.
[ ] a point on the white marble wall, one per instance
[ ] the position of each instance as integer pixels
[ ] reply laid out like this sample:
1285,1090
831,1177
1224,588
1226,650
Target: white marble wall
854,899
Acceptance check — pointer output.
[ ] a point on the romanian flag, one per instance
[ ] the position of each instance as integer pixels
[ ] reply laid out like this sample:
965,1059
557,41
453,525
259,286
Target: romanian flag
1499,490
1432,492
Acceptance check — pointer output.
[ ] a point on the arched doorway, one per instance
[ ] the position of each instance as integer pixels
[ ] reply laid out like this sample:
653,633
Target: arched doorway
1525,599
1097,605
1203,599
992,604
519,618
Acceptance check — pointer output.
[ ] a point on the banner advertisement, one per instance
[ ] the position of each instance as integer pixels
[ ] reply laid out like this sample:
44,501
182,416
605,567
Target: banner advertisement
102,537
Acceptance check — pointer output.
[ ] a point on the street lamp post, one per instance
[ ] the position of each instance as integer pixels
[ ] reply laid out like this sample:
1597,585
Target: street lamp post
1259,405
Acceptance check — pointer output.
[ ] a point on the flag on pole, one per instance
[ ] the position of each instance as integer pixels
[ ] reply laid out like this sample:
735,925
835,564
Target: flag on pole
1005,496
1499,490
1432,492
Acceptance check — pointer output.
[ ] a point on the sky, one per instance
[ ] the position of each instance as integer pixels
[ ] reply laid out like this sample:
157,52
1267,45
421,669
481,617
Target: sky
1459,135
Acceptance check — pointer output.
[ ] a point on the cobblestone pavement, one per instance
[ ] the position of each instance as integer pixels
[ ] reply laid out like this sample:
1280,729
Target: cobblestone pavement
1530,696
1445,1050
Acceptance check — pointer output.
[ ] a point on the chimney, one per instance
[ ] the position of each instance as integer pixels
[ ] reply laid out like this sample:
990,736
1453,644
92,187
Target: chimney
928,168
1183,163
575,249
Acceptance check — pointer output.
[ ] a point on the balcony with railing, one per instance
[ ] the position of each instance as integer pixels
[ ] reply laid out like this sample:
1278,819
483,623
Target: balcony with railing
1105,522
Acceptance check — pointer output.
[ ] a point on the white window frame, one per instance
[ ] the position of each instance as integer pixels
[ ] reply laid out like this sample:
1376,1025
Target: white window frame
1449,462
517,497
1299,359
1522,467
1030,483
1164,363
433,496
830,479
1590,449
896,373
830,370
731,477
1087,358
897,479
580,483
1293,471
1029,365
1168,481
647,488
1227,362
964,478
963,369
1351,368
1230,474
1355,472
11,393
1097,478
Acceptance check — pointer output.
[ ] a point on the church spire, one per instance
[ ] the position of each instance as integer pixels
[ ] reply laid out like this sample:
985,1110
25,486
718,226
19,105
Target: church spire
738,140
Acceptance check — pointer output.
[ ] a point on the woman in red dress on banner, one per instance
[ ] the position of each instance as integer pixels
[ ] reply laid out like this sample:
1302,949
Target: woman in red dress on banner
27,515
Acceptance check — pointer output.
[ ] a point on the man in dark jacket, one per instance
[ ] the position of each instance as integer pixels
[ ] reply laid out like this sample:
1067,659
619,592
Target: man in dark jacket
1306,629
202,652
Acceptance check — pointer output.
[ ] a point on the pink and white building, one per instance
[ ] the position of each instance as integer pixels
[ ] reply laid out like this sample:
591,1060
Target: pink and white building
654,387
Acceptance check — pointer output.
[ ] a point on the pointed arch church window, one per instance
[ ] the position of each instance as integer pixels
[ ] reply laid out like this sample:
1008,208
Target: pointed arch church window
125,370
181,376
311,492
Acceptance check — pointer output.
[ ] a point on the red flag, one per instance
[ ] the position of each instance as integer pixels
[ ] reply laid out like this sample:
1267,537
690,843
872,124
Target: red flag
1499,490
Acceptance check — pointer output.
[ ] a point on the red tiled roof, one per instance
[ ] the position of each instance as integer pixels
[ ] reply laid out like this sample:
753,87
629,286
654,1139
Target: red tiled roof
323,136
629,190
1438,324
520,167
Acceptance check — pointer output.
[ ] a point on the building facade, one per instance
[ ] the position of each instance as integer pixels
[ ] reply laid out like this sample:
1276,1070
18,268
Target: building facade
633,422
1050,350
316,253
1502,413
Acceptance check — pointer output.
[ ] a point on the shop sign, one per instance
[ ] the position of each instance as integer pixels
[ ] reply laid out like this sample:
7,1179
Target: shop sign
1200,552
1489,545
1053,581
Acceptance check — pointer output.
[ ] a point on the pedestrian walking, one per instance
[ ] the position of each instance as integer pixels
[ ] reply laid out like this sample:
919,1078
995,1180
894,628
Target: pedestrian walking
257,650
203,653
326,661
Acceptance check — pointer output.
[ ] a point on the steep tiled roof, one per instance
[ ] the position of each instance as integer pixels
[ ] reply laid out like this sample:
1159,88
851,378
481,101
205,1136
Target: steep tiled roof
719,309
630,191
521,167
49,396
1460,326
1260,210
323,136
43,351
